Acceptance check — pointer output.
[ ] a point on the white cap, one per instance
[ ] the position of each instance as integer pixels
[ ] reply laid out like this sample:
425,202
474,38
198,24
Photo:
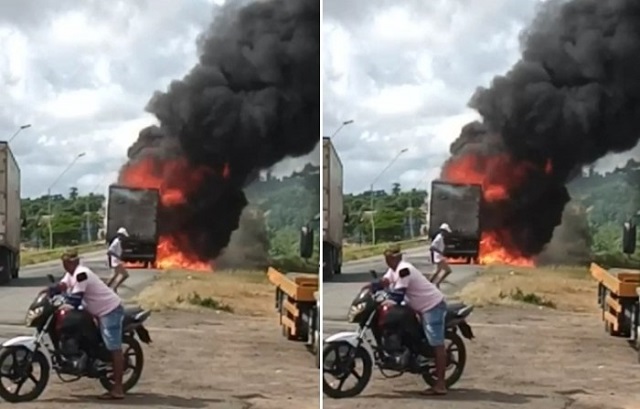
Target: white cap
445,227
123,231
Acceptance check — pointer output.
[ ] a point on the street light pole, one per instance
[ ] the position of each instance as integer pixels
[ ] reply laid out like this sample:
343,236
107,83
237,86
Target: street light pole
411,203
50,210
18,131
342,125
89,223
373,223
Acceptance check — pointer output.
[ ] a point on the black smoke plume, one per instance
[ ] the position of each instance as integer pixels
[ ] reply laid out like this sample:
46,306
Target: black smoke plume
572,98
252,100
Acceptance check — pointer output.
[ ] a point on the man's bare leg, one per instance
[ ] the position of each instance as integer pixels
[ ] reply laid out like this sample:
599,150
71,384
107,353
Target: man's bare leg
434,276
441,367
446,270
122,276
112,278
118,373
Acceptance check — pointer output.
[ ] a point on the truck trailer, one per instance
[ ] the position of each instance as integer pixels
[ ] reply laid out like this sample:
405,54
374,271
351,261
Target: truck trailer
11,221
332,210
136,210
459,206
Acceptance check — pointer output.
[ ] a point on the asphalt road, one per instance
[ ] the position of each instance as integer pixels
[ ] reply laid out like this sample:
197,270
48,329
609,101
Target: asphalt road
16,296
338,293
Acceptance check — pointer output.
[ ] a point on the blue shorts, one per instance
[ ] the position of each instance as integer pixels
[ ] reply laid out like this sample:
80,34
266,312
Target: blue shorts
433,324
111,329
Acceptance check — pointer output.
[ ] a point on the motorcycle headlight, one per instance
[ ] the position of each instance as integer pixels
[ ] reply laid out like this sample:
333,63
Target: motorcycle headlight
355,310
32,315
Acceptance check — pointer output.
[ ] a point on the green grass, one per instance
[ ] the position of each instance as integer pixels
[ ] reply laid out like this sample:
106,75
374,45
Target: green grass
528,298
357,252
295,264
617,260
205,302
28,257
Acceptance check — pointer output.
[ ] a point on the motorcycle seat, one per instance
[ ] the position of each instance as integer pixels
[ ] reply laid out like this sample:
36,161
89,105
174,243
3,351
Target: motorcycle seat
134,314
458,310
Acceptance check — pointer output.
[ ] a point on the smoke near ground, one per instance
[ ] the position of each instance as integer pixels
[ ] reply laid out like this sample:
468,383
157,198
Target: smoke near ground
571,241
249,244
252,100
572,98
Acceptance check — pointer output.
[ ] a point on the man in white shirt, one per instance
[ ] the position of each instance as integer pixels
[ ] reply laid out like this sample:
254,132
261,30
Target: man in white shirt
84,287
438,258
405,280
120,273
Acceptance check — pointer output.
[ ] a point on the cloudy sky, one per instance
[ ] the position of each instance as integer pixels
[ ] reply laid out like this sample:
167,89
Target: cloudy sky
404,72
81,72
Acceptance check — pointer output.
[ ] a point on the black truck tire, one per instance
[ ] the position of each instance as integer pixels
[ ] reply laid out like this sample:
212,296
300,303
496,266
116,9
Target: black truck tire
6,266
15,272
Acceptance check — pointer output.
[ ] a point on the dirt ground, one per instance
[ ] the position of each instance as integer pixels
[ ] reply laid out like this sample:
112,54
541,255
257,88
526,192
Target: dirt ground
204,358
525,357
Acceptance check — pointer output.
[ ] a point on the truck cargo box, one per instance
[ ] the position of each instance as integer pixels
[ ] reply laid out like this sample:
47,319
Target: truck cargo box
458,205
136,210
332,201
10,218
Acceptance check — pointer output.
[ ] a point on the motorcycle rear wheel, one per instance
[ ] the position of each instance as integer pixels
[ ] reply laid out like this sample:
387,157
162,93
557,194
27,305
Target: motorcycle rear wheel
130,346
455,342
360,354
35,357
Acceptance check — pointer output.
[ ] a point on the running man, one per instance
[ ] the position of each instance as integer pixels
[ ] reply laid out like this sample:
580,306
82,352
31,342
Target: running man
120,273
438,258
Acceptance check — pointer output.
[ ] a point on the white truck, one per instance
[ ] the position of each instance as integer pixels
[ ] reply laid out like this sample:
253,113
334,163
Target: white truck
11,221
333,217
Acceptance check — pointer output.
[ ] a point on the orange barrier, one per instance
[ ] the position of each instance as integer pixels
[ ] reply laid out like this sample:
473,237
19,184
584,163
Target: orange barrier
298,307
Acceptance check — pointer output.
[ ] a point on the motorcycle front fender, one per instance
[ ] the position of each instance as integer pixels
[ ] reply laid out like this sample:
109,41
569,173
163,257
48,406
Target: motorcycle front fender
349,337
28,342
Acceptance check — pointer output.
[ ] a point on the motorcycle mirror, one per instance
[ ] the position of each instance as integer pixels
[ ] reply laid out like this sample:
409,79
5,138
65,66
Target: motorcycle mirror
51,279
373,274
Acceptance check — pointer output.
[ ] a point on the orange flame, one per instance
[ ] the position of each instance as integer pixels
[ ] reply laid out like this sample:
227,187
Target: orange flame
175,180
497,175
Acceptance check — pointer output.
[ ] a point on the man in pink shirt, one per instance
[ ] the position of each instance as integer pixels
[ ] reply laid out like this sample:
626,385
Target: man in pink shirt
84,287
426,299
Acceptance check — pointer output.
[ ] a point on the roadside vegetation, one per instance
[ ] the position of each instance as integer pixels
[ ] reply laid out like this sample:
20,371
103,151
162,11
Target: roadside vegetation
28,257
241,292
353,252
561,287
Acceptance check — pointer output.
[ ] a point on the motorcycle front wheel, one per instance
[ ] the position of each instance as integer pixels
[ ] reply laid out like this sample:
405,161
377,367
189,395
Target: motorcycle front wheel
133,364
340,361
17,370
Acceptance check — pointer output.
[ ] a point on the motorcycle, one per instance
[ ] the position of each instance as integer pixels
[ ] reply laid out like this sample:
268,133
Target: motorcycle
391,336
69,342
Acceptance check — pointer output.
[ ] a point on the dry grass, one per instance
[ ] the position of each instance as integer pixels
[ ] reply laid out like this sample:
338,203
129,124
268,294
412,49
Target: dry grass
28,257
239,291
357,252
563,288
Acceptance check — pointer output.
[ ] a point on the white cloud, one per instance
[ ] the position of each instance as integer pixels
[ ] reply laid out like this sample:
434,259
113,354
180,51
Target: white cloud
404,71
81,74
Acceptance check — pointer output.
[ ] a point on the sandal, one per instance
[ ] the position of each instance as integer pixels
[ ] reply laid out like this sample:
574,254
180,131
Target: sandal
110,396
433,392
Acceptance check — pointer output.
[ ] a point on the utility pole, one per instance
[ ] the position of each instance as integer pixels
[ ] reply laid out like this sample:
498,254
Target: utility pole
373,224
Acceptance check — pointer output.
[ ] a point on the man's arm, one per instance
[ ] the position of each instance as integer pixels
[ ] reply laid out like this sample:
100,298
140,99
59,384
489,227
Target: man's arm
383,283
401,286
77,293
60,287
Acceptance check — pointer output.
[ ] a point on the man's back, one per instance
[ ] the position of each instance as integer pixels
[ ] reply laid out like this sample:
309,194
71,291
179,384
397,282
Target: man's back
98,298
421,294
115,249
438,244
